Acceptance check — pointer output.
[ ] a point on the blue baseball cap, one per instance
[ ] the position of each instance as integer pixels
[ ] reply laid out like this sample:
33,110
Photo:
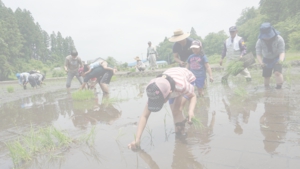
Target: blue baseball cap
18,75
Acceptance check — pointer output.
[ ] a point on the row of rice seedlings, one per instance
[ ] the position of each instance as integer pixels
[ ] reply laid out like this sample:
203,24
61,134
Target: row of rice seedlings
37,142
235,67
83,95
44,140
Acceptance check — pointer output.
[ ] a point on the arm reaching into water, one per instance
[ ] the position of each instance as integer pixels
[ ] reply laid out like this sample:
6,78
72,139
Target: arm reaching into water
141,126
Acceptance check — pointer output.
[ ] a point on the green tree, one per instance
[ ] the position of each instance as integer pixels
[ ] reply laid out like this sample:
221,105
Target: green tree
213,43
164,50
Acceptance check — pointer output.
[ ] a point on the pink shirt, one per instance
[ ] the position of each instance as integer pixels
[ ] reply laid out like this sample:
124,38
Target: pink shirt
183,79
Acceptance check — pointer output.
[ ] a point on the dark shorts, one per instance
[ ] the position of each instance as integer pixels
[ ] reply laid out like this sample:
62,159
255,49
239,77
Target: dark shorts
106,78
199,82
271,65
95,73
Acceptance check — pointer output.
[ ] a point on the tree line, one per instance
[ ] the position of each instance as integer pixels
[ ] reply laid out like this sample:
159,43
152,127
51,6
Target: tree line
283,15
24,45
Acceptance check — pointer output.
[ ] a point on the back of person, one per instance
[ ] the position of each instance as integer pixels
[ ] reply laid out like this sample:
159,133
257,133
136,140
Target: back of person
183,79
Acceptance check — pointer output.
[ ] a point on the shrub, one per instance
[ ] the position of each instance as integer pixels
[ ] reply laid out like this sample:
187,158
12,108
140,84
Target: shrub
58,73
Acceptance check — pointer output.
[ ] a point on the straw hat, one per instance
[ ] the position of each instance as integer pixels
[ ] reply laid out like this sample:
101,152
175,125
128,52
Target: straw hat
178,36
137,58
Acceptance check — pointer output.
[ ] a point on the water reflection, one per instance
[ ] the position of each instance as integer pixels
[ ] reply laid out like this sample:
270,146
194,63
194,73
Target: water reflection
93,113
238,107
273,123
35,110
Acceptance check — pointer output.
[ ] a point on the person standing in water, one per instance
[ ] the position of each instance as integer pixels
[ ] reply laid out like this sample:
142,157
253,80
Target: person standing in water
72,64
270,52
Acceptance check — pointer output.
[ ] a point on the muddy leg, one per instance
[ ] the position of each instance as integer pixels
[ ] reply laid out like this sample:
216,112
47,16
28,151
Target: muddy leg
177,111
267,81
279,79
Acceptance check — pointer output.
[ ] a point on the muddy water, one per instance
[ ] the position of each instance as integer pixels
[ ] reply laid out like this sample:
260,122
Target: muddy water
241,128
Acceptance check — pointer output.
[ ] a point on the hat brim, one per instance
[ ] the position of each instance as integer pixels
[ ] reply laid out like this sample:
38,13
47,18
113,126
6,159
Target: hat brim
268,35
155,105
179,38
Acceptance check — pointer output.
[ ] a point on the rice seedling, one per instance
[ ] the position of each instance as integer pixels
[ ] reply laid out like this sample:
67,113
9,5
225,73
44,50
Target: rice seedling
83,95
112,100
241,92
197,123
62,138
10,89
235,67
120,134
41,141
89,138
149,131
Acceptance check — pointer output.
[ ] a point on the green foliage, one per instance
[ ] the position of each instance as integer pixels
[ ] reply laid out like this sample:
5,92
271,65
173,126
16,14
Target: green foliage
197,123
10,89
214,59
241,92
83,95
235,67
58,73
213,43
283,15
24,44
164,50
42,141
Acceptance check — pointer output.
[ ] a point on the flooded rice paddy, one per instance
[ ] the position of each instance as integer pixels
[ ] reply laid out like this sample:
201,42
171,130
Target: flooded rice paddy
243,125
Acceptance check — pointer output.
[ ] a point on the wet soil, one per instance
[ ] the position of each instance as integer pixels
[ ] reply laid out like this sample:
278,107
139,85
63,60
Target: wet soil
244,125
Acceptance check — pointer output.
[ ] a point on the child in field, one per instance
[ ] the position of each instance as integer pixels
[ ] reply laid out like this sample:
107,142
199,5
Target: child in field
173,85
198,64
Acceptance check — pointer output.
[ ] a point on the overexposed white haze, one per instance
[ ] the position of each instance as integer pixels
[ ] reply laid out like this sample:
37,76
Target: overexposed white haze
121,29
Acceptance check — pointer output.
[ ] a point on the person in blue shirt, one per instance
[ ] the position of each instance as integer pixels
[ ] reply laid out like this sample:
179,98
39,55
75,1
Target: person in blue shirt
198,64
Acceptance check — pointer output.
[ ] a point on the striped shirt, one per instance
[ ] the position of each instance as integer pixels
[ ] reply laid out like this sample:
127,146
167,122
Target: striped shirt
183,79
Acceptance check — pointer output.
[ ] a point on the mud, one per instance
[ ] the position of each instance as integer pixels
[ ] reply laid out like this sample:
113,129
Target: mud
244,125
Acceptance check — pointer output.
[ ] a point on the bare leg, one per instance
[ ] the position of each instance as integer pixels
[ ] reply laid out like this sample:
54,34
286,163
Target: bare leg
278,78
177,111
104,88
200,92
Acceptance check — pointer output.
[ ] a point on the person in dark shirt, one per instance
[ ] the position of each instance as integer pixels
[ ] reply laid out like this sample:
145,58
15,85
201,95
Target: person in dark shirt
181,47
